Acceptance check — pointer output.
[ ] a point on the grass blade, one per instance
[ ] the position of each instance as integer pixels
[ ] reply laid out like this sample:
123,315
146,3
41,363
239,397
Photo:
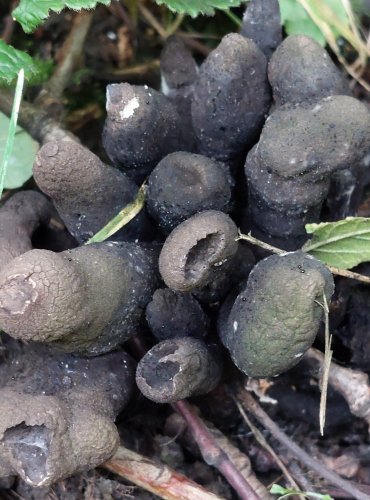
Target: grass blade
121,219
12,129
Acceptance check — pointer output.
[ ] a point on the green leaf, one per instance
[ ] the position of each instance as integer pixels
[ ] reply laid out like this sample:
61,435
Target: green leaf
276,489
296,21
13,60
31,13
343,244
196,7
22,157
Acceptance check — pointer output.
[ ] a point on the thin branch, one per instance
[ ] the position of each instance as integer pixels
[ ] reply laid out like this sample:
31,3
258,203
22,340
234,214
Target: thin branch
212,453
155,477
70,52
251,405
334,270
35,121
262,441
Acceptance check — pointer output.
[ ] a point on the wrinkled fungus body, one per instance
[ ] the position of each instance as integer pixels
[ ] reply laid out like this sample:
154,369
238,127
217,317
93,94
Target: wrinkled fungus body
86,192
20,216
289,170
277,314
58,411
84,300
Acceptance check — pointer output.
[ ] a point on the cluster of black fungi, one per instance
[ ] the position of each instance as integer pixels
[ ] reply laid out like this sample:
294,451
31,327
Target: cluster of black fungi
261,136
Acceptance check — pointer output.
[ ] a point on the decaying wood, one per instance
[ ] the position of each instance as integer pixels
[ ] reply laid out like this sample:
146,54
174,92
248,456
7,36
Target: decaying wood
212,452
353,385
156,477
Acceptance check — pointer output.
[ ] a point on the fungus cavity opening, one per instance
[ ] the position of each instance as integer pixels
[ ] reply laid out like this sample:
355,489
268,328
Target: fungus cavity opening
29,445
202,256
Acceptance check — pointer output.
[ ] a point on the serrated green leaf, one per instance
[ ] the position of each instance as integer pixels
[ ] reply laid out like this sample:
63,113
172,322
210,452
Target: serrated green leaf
196,7
13,60
22,157
31,13
343,244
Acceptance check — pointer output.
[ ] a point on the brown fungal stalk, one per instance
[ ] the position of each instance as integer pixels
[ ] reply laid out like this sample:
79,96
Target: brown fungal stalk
20,216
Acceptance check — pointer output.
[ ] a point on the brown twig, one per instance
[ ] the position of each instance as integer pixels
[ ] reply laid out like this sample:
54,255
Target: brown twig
51,95
251,405
37,122
262,441
212,453
156,478
353,385
334,270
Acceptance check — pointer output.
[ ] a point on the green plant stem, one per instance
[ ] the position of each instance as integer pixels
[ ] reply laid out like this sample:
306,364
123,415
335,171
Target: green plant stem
12,128
121,219
233,18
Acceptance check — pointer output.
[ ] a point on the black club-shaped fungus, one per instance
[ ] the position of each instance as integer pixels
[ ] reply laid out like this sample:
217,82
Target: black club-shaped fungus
277,314
58,411
178,368
142,126
262,24
183,184
179,72
300,147
85,300
197,250
86,192
172,314
230,98
301,70
20,217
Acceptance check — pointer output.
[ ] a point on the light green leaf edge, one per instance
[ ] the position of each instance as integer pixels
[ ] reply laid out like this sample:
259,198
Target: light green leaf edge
196,7
13,60
12,128
31,13
343,244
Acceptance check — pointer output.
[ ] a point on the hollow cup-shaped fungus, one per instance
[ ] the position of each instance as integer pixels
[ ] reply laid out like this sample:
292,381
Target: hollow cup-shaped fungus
57,412
142,126
301,70
20,216
172,314
201,255
262,24
84,300
183,184
276,316
231,97
86,192
300,147
178,368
